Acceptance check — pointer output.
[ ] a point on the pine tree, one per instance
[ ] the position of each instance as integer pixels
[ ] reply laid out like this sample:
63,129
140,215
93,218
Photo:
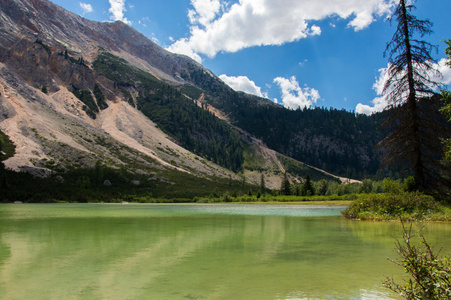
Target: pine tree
286,185
416,126
307,187
262,184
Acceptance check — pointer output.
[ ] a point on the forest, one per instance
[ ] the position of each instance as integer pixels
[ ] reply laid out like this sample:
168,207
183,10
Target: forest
180,117
338,141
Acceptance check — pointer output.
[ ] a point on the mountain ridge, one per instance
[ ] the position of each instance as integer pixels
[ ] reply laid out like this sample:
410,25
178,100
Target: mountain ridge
48,65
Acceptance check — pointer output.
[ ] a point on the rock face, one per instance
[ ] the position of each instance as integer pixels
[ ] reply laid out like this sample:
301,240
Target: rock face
45,55
50,110
56,27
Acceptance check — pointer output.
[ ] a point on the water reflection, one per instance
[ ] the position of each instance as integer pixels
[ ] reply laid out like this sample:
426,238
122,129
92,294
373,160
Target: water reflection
189,252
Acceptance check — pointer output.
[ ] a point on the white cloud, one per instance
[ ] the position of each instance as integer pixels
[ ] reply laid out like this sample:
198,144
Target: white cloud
117,10
315,30
302,63
267,22
204,11
445,71
244,84
380,102
293,96
182,47
87,8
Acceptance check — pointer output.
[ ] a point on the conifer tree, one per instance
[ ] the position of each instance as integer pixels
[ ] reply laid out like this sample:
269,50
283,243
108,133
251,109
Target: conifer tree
307,187
416,126
262,184
286,185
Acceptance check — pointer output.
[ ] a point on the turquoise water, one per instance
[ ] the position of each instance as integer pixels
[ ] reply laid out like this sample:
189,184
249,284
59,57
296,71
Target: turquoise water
113,251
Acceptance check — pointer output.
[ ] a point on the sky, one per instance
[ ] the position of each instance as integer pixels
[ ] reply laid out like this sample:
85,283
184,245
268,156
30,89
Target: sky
298,53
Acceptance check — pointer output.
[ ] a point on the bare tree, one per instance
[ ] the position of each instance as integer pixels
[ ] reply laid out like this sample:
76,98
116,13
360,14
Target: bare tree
415,123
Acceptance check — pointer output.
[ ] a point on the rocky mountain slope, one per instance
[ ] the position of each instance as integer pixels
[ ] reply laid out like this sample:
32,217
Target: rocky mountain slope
74,92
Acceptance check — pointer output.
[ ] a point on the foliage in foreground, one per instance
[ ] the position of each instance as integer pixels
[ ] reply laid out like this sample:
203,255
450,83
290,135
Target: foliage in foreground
405,206
430,274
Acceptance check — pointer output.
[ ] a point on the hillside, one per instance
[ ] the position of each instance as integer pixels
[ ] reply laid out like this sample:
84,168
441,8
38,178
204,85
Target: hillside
75,93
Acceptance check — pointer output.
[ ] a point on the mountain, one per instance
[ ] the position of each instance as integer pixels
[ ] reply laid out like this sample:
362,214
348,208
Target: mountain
75,93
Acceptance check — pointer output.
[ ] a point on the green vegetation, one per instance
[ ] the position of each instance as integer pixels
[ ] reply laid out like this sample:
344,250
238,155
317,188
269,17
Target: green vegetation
195,128
430,274
92,107
191,91
405,206
104,184
85,96
391,200
7,146
80,61
416,126
46,47
286,185
301,170
338,141
100,97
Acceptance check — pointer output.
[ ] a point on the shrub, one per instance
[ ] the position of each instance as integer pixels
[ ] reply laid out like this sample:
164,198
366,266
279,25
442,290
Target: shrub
430,274
392,186
392,206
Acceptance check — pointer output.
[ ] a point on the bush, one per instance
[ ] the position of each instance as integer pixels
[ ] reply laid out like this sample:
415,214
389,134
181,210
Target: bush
392,206
392,186
430,274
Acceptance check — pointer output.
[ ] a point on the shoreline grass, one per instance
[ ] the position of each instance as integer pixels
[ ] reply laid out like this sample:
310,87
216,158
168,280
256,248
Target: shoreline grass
404,207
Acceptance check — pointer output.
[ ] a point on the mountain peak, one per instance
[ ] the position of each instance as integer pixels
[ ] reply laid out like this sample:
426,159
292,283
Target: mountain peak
71,86
31,19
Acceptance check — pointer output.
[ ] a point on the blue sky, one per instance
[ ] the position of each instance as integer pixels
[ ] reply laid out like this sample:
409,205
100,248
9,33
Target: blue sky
296,52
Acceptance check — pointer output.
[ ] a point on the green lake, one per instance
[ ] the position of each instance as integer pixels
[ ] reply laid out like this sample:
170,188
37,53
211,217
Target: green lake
159,251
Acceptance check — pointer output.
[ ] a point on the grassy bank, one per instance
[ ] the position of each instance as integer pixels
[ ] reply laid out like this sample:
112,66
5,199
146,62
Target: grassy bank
404,206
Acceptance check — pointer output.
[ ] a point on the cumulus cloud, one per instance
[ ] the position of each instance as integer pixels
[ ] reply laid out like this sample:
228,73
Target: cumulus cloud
293,96
251,23
117,10
380,102
182,47
445,71
244,84
204,11
87,8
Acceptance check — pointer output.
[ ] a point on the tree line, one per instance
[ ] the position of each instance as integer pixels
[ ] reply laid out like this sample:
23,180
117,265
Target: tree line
338,141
